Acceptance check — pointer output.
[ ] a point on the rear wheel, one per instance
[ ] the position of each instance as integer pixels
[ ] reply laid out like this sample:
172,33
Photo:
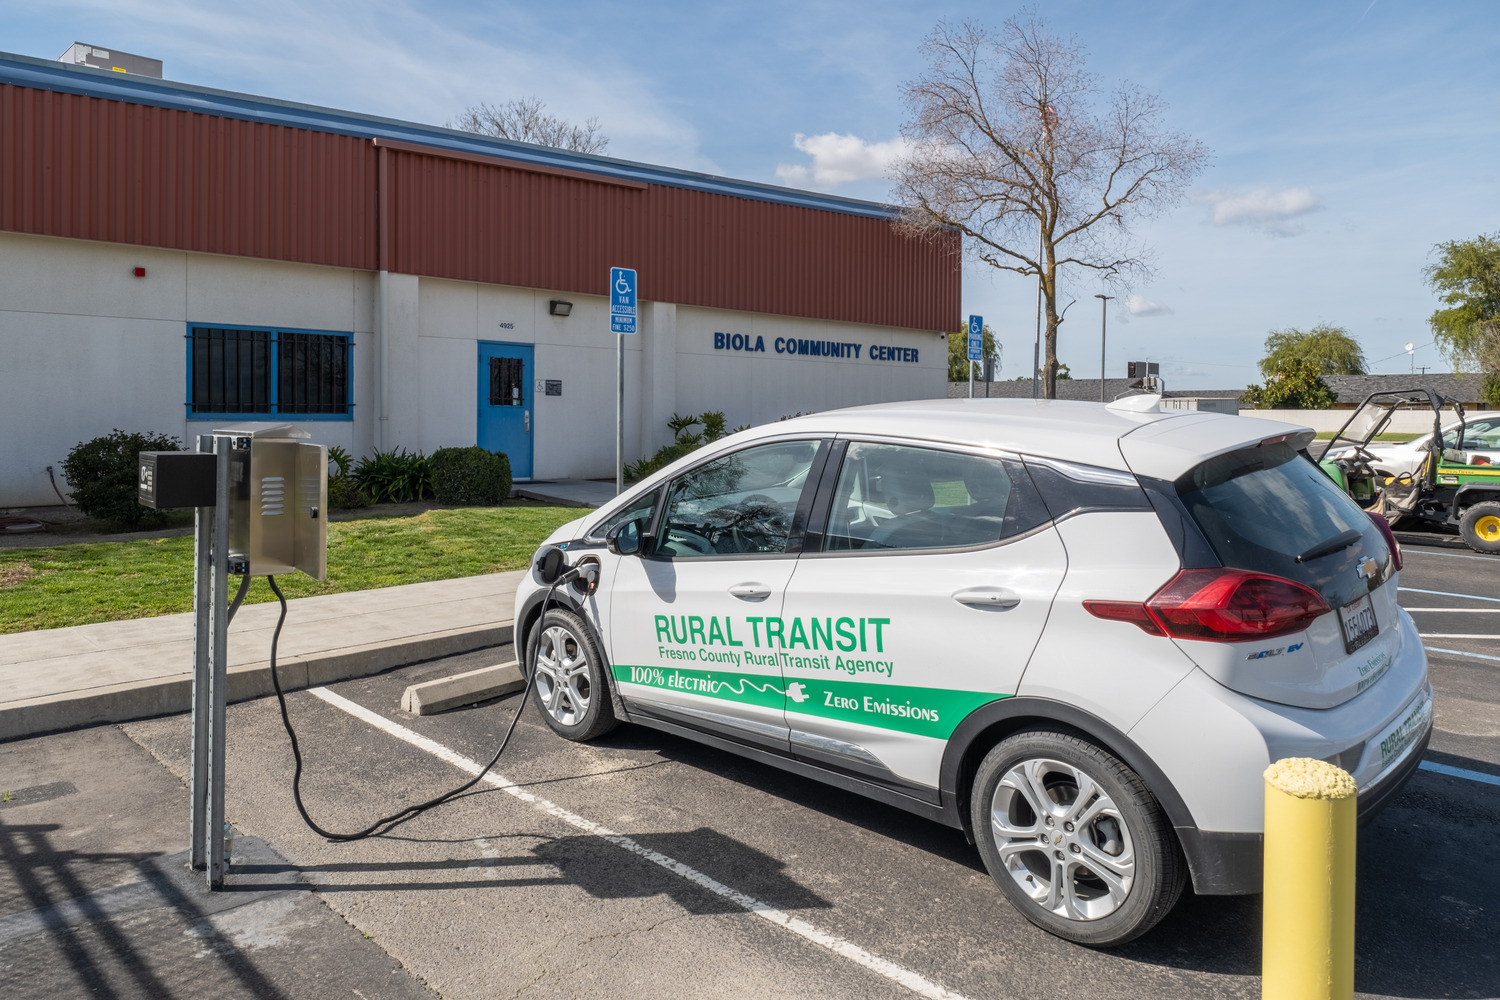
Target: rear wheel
571,690
1074,839
1480,527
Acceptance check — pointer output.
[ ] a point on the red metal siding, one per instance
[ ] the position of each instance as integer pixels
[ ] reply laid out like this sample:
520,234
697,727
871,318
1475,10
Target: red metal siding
107,170
126,173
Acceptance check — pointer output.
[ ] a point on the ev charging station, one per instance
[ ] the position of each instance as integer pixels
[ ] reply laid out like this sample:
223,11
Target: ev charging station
260,496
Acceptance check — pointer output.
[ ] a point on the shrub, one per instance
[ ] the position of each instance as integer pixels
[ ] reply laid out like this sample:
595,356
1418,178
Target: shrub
470,476
103,475
393,476
343,492
686,442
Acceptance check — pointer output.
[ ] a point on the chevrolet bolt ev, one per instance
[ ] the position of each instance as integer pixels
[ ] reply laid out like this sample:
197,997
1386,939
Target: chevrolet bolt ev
1078,633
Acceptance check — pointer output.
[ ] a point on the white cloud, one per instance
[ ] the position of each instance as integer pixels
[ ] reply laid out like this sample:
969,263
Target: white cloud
839,159
1137,305
1261,208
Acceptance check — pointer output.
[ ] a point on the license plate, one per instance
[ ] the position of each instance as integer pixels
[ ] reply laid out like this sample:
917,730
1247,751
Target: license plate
1359,624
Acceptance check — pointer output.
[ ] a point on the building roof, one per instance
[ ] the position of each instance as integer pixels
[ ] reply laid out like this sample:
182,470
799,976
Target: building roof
1355,389
46,74
93,155
1083,389
1351,389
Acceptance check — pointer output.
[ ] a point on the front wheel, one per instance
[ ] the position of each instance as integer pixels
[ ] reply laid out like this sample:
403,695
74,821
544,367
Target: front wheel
1480,526
1074,839
570,688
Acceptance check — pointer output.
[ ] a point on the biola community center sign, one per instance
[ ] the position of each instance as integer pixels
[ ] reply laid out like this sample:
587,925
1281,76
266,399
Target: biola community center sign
748,344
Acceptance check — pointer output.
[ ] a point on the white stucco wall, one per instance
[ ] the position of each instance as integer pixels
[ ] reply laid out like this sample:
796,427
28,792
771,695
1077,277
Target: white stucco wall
89,347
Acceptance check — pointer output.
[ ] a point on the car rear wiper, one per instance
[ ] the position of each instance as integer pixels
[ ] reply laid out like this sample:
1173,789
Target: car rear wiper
1334,544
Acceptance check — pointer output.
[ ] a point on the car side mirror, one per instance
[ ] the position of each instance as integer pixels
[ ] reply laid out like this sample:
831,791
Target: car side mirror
624,539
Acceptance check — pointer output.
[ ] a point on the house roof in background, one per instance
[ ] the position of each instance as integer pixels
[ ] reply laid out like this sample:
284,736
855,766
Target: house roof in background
1352,389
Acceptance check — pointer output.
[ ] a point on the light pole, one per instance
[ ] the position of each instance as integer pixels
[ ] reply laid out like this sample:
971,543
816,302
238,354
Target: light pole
1103,307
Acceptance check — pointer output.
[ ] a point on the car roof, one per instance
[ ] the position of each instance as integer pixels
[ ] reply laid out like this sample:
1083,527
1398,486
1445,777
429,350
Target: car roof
1087,433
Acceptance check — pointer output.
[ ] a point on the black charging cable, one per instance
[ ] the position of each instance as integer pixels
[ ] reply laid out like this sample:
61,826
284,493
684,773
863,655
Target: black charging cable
387,821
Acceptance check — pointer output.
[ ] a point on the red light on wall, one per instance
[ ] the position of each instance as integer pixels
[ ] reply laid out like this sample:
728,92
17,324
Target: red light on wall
140,272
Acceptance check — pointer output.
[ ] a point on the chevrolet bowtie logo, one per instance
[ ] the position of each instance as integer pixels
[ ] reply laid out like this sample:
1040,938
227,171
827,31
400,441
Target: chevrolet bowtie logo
1368,568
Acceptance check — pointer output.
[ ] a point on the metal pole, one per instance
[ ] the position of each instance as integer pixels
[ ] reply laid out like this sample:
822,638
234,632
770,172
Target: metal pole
971,380
218,679
203,531
620,415
1103,308
1036,347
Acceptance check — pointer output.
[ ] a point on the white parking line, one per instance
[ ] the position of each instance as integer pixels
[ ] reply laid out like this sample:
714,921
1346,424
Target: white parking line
1461,611
1459,772
1459,635
1460,652
846,949
1409,550
1444,593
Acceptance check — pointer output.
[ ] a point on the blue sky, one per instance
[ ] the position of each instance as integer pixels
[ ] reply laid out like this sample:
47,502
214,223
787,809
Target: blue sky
1348,137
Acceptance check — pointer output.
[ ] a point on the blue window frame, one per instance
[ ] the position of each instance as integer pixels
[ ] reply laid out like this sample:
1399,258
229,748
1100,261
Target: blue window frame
268,371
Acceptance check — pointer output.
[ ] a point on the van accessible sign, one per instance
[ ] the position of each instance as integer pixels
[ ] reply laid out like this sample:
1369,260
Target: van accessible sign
751,344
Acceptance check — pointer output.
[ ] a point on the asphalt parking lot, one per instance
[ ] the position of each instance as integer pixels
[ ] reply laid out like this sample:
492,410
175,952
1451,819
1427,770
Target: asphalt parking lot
644,864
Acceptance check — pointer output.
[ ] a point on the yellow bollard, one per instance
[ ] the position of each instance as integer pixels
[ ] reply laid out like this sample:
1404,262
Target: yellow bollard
1308,927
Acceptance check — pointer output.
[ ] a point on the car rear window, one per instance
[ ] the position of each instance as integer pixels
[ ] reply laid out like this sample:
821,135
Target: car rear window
1261,508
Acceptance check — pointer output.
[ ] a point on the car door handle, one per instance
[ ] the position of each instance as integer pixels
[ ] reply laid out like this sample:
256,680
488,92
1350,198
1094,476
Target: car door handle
988,597
750,591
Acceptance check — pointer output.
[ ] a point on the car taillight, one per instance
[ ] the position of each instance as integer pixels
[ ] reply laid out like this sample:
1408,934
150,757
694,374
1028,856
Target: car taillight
1220,605
1390,537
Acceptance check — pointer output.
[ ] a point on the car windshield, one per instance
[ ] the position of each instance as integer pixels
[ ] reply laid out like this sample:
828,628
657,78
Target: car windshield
1269,509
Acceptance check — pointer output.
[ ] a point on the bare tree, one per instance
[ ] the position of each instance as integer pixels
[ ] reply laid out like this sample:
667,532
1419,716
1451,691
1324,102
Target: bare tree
526,120
1016,146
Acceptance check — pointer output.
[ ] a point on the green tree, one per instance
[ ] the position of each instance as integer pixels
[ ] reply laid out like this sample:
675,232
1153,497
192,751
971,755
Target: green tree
1466,278
958,353
1329,348
1295,384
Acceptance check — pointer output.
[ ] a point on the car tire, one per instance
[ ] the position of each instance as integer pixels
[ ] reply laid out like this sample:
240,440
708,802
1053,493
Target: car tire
1026,796
571,687
1480,526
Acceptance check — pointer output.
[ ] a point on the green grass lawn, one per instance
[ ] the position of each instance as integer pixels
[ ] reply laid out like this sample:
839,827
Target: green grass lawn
108,581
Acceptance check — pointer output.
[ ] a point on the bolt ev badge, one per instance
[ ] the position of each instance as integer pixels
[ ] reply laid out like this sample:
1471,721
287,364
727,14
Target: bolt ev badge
1368,568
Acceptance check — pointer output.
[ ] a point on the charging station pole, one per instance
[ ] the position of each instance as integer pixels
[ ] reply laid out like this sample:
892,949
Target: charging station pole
210,667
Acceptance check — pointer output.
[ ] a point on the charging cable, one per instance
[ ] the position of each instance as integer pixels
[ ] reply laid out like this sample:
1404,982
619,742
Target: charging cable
387,821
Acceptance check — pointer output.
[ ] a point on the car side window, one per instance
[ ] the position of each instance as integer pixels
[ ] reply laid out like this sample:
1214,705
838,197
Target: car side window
637,510
1482,435
900,497
740,504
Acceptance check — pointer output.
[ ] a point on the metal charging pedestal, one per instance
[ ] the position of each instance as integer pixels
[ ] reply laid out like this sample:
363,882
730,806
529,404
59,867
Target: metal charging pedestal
270,497
210,667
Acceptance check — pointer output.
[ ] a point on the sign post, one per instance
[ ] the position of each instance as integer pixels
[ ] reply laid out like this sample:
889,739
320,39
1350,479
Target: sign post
622,317
976,347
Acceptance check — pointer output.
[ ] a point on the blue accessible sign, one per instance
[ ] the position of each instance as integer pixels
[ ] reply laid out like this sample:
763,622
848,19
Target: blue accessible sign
976,338
622,300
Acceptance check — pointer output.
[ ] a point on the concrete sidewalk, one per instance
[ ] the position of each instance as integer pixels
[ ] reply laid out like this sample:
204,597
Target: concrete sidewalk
61,678
569,492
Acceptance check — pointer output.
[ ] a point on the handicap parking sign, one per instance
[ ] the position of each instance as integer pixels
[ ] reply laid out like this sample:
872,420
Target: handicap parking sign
976,338
622,300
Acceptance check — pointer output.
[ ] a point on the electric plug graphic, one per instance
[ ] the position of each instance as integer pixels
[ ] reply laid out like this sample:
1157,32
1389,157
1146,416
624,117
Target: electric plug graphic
797,692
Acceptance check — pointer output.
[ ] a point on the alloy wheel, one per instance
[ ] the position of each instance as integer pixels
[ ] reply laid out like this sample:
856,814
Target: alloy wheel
1062,839
562,675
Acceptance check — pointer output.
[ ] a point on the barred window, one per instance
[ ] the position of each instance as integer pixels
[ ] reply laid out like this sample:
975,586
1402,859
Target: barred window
237,370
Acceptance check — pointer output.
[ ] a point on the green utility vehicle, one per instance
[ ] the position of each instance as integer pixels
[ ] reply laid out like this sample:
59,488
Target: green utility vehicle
1451,489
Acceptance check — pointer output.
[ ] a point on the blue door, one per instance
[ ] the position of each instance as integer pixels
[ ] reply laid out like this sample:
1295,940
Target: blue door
506,406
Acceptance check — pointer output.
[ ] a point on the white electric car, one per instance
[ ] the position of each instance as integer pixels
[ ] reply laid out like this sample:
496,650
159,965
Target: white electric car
1077,632
1480,438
